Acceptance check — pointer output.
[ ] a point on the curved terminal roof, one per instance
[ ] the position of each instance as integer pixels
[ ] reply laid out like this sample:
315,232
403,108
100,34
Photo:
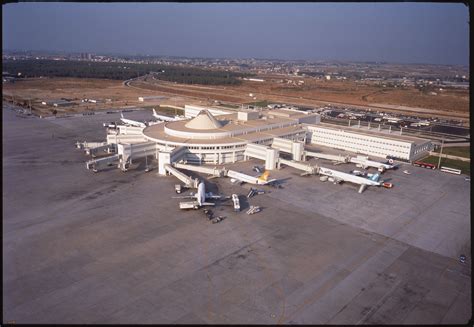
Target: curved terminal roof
204,120
207,129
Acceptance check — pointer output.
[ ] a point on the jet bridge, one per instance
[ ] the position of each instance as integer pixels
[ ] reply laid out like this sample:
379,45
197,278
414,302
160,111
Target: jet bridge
92,148
216,172
125,138
188,181
86,145
129,130
337,158
126,134
96,164
169,156
128,152
307,168
296,149
262,152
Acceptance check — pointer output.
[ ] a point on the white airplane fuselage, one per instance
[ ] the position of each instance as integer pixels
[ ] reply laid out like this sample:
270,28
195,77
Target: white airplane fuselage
199,198
201,194
364,163
166,118
348,177
131,122
247,178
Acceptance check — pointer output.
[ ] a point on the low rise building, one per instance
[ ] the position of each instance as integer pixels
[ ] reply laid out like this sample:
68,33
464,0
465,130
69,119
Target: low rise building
371,142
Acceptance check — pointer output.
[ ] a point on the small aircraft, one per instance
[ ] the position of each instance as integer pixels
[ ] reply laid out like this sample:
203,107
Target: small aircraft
406,172
131,122
200,198
166,118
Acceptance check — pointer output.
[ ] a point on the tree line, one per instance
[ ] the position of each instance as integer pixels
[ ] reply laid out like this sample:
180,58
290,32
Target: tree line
119,71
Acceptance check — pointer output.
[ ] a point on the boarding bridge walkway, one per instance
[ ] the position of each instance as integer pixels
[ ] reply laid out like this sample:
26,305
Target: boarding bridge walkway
337,158
216,172
92,148
188,181
307,168
128,152
95,164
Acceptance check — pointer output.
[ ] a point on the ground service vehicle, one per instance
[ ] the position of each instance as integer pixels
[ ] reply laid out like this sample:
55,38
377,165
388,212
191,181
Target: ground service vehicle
424,165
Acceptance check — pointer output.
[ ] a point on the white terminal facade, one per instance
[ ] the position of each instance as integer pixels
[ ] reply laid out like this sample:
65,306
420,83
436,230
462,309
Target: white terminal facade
369,141
220,136
223,138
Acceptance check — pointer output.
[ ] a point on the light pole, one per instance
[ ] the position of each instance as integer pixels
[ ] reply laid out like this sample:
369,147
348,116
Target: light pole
440,153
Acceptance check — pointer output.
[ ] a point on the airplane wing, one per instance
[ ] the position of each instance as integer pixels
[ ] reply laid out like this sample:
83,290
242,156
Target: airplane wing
221,197
237,181
184,197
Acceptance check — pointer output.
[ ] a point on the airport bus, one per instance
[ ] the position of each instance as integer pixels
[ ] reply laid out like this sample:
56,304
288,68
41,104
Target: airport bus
450,170
424,165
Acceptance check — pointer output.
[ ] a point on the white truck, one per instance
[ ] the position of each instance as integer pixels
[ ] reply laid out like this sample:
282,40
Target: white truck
235,199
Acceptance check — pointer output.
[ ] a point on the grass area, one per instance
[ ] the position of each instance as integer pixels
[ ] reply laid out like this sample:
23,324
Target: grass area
456,164
459,151
262,103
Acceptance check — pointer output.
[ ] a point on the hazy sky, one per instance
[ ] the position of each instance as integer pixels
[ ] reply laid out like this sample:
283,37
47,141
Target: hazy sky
392,32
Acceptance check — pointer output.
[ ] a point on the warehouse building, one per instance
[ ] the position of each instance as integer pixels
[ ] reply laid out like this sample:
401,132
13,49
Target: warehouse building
370,142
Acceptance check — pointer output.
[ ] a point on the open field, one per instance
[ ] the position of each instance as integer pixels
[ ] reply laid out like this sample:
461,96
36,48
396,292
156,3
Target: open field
113,247
449,103
451,163
460,151
38,90
366,94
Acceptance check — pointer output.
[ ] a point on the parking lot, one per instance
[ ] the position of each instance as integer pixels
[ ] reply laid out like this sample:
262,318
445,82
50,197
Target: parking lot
113,247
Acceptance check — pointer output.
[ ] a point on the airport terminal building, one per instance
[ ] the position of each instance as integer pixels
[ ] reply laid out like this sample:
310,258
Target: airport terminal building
370,142
229,136
223,139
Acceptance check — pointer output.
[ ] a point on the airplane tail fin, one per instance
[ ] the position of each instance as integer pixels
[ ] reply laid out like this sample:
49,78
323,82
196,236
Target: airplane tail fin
375,177
264,176
154,112
121,114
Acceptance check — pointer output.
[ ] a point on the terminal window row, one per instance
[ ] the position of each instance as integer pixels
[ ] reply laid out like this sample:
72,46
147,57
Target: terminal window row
357,148
356,144
351,136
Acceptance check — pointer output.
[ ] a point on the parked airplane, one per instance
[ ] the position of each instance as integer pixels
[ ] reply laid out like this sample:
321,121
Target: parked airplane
364,162
131,122
200,198
338,177
358,173
243,178
166,118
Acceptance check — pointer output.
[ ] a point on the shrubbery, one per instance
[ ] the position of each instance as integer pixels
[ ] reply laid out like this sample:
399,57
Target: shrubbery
119,71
